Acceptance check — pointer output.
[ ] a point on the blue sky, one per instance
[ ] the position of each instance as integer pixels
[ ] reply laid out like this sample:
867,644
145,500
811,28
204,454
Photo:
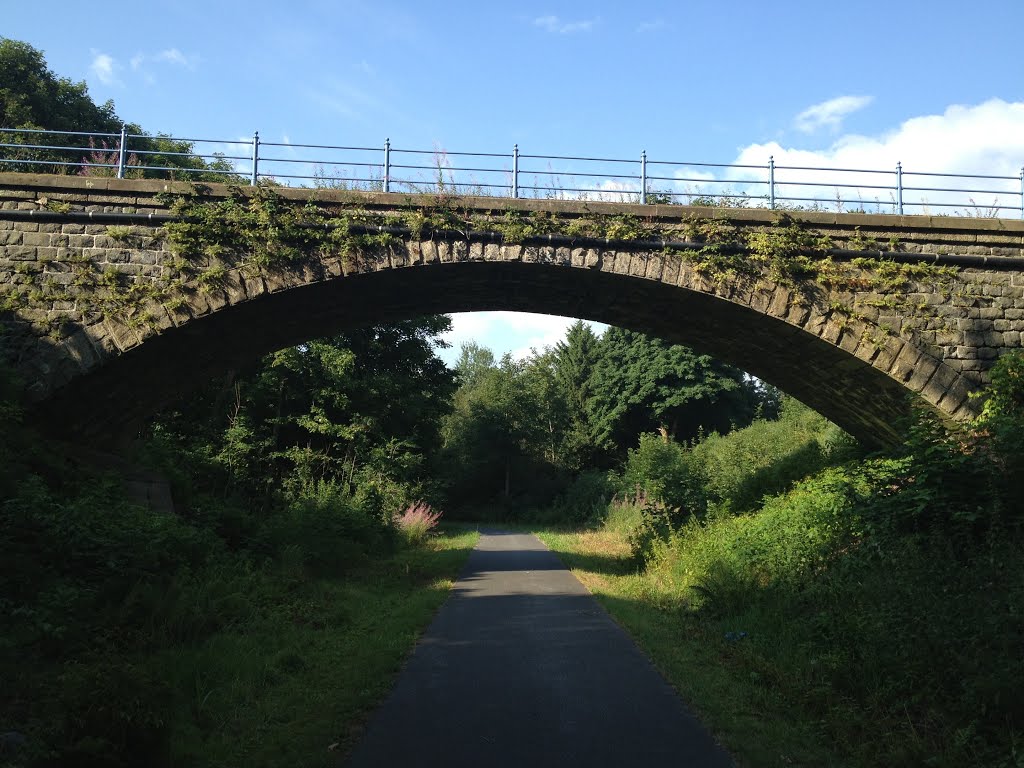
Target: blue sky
935,85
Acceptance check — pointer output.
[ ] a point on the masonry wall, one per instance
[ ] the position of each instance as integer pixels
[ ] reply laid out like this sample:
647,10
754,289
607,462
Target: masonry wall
938,342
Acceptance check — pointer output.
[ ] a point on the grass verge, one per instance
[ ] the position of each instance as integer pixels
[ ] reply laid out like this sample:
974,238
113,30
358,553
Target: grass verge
292,685
750,717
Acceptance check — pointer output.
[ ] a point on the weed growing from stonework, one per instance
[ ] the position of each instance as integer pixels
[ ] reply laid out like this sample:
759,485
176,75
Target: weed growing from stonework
257,232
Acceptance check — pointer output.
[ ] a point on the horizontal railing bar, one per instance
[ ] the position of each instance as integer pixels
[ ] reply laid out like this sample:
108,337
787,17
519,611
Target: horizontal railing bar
707,165
568,175
58,162
580,159
471,184
970,191
961,175
929,204
59,133
709,181
586,189
185,141
316,162
456,169
834,185
315,146
55,148
446,153
834,170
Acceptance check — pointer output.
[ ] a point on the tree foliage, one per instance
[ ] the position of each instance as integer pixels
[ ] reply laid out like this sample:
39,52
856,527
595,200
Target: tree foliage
643,384
33,97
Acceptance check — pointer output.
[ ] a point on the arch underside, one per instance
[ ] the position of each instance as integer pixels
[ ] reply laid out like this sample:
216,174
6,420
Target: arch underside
105,403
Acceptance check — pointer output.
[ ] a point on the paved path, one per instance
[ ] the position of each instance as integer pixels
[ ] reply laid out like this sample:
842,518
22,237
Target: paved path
521,667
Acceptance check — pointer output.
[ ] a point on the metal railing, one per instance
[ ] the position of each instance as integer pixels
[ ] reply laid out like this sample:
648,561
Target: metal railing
514,174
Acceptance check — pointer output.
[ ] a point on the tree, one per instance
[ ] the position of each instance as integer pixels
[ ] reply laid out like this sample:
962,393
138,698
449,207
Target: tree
33,97
643,384
574,360
361,408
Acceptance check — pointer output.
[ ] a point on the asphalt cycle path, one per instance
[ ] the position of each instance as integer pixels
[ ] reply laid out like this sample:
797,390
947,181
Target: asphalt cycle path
522,668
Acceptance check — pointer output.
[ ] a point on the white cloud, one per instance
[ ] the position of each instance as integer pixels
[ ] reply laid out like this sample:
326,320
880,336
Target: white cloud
177,58
557,26
985,139
143,63
516,333
105,68
830,114
646,27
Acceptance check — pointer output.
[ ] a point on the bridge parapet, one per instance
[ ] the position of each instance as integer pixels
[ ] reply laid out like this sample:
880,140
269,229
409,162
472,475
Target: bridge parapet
107,295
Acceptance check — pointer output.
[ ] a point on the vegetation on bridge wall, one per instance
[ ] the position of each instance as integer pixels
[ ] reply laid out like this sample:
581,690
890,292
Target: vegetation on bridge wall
257,232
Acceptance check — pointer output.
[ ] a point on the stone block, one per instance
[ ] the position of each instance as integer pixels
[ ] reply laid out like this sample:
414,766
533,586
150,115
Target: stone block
17,253
123,337
80,349
412,252
637,265
655,266
429,252
924,369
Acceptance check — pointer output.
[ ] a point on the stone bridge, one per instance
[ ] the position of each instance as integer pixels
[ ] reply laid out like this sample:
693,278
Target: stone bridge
118,296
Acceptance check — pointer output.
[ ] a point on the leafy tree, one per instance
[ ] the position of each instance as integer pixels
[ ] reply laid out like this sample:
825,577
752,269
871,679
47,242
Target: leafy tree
33,97
643,384
474,361
574,360
362,409
492,428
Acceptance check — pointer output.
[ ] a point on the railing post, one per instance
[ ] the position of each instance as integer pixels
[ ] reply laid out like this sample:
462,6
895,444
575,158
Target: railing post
255,159
121,152
387,165
1022,193
771,182
899,188
515,171
643,177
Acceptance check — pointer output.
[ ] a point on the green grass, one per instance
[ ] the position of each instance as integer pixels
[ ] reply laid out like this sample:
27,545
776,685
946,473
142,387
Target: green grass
293,686
900,658
746,714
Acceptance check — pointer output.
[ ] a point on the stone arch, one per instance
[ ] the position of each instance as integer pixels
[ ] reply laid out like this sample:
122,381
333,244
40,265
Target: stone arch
112,376
853,348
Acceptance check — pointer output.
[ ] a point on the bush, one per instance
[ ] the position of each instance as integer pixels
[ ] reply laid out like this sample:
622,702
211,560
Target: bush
330,527
664,471
767,457
585,500
417,522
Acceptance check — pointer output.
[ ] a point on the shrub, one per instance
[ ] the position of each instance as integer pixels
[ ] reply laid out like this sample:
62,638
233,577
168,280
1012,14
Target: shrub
664,471
330,527
768,457
417,522
585,499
